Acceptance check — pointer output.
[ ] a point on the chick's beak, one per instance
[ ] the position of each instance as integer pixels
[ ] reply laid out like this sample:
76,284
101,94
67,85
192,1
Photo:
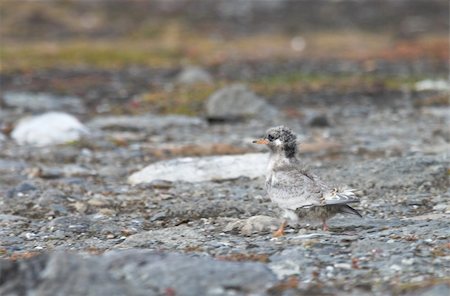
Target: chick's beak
261,141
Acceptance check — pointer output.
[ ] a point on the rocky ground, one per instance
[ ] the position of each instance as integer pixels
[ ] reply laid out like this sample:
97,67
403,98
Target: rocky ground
137,175
68,212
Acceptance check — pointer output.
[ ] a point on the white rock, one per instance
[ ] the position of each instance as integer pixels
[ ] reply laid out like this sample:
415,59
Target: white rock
429,84
408,261
395,267
48,129
343,266
198,169
193,75
238,102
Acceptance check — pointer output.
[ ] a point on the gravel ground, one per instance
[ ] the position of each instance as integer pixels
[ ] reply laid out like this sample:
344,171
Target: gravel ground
69,220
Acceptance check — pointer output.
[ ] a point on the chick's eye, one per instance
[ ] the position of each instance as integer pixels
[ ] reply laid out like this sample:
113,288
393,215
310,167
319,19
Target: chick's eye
270,138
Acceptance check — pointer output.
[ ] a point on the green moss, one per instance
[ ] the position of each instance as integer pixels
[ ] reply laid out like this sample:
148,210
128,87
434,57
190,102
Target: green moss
301,82
101,55
185,100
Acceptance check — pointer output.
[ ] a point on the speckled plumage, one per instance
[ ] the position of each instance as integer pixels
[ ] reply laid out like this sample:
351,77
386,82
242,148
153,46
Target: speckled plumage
299,193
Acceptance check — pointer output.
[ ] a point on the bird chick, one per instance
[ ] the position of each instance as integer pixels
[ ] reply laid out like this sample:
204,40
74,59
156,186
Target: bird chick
298,192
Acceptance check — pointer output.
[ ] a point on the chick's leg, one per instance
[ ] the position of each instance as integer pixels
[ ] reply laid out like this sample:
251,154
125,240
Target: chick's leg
280,230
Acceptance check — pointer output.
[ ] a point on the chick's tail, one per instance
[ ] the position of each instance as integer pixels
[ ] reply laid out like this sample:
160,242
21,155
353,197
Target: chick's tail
346,209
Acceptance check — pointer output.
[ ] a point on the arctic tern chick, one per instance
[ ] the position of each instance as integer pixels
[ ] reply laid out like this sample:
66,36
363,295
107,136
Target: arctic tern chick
299,193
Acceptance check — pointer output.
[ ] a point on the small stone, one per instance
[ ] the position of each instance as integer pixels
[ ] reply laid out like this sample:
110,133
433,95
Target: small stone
30,235
21,189
319,121
159,216
99,201
80,207
408,261
343,266
441,207
107,212
395,267
51,196
193,75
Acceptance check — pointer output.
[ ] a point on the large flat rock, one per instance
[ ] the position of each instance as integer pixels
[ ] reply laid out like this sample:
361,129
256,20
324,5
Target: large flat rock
132,272
198,169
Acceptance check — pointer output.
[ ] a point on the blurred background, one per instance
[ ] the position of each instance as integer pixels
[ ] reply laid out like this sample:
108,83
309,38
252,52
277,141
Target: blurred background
120,54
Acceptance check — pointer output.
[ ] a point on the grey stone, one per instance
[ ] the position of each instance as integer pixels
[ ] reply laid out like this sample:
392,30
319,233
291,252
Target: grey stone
5,218
61,274
319,120
7,165
52,196
132,272
21,189
75,224
178,237
436,290
150,122
42,102
238,102
293,261
69,170
193,75
198,169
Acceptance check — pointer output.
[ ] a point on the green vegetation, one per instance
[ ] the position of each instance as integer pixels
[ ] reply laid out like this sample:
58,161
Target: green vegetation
85,53
187,100
301,82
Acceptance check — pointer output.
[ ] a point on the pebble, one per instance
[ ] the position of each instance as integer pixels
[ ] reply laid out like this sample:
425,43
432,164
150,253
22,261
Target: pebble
395,267
408,261
343,266
193,75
